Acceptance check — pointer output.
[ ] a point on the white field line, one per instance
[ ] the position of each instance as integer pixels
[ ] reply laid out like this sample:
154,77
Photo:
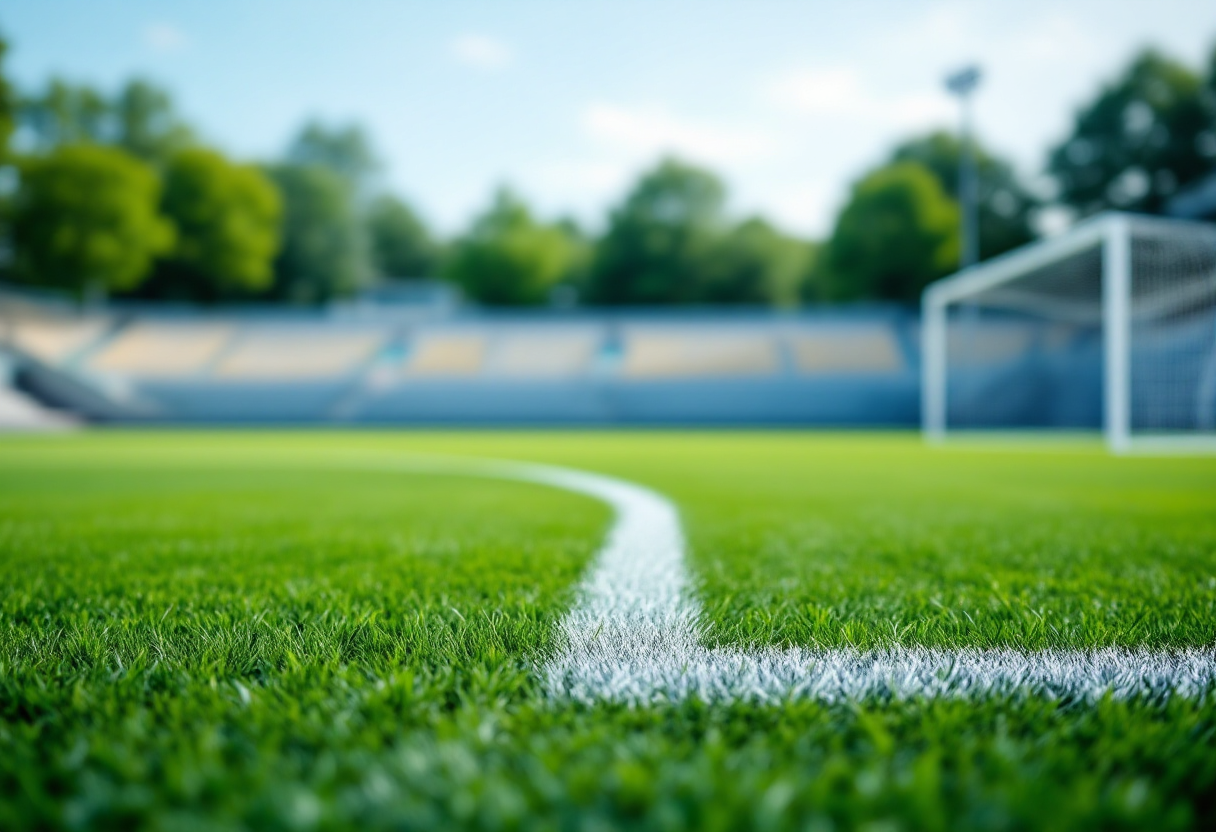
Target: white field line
633,634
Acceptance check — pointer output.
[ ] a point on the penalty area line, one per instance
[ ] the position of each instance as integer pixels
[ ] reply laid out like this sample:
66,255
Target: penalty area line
633,634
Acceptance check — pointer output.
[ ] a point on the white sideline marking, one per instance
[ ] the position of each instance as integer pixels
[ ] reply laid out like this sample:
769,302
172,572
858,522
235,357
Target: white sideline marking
633,635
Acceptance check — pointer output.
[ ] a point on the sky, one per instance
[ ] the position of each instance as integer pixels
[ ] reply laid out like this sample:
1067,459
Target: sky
567,102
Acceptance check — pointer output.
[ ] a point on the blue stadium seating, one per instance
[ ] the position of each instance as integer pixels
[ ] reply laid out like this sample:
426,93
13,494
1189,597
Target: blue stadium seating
848,368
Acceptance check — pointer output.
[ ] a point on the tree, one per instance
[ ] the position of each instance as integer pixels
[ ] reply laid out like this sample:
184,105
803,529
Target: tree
321,255
86,219
1211,78
146,124
140,119
1006,208
227,218
1206,142
344,151
508,258
1142,138
898,232
8,173
401,245
756,264
573,285
660,240
8,104
65,113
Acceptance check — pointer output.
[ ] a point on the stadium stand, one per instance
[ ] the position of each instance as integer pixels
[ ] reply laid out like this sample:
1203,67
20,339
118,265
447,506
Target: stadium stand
992,343
298,352
161,349
57,340
446,354
548,353
446,367
21,412
672,352
856,349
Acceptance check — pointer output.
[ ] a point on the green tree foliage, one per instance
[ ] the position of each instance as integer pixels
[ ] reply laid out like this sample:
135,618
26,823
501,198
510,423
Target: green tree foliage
321,254
1211,81
146,123
670,242
898,232
8,104
660,241
86,219
140,119
508,258
344,151
227,218
1006,208
1206,141
582,254
754,263
401,245
8,173
65,113
1142,138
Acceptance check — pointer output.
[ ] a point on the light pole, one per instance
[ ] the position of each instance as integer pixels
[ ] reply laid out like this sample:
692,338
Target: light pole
963,83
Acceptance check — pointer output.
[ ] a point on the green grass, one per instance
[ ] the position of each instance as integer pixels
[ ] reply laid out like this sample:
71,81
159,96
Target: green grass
243,631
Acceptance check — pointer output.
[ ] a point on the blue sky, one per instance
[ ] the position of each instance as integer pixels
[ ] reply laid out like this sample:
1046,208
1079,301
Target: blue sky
567,101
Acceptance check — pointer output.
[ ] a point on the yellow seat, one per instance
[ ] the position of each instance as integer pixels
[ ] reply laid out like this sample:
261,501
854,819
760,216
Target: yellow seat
162,349
542,354
297,354
446,354
672,354
869,349
55,340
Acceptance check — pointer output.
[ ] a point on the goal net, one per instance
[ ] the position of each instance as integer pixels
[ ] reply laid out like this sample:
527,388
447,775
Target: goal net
1111,326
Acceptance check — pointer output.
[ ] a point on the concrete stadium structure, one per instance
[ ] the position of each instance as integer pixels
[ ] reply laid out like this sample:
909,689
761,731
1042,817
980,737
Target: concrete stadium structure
857,367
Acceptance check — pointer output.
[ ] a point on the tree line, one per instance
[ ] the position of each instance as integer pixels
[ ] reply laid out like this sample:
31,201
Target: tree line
116,194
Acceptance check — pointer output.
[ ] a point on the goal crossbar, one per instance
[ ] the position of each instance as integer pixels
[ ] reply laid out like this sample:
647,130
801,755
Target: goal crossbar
1111,235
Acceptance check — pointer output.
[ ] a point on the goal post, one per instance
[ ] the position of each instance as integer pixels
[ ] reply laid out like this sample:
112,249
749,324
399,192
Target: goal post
1110,326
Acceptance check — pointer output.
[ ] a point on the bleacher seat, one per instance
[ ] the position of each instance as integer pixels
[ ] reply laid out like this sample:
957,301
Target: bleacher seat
540,354
56,340
297,353
582,367
861,349
672,353
992,343
438,354
162,349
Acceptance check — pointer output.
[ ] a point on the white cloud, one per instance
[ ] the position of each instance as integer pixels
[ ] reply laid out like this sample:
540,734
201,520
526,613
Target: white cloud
822,91
164,37
649,131
579,186
582,178
482,52
799,205
841,93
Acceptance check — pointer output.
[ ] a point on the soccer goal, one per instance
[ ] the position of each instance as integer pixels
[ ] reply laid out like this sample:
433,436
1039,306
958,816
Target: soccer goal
1111,327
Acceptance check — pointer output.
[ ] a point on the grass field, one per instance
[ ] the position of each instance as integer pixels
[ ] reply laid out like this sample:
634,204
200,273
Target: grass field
264,631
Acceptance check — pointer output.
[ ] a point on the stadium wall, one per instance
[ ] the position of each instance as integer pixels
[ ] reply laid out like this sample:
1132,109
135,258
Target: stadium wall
138,364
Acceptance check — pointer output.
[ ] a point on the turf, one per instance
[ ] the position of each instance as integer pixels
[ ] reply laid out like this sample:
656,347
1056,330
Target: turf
227,631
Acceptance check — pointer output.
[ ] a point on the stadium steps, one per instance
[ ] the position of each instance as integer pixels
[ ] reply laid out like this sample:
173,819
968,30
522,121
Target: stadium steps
63,389
369,376
21,412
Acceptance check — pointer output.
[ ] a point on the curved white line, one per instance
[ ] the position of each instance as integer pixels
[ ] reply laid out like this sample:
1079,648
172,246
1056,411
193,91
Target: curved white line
633,634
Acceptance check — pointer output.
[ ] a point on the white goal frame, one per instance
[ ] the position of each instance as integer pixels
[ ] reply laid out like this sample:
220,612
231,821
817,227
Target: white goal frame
1112,233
